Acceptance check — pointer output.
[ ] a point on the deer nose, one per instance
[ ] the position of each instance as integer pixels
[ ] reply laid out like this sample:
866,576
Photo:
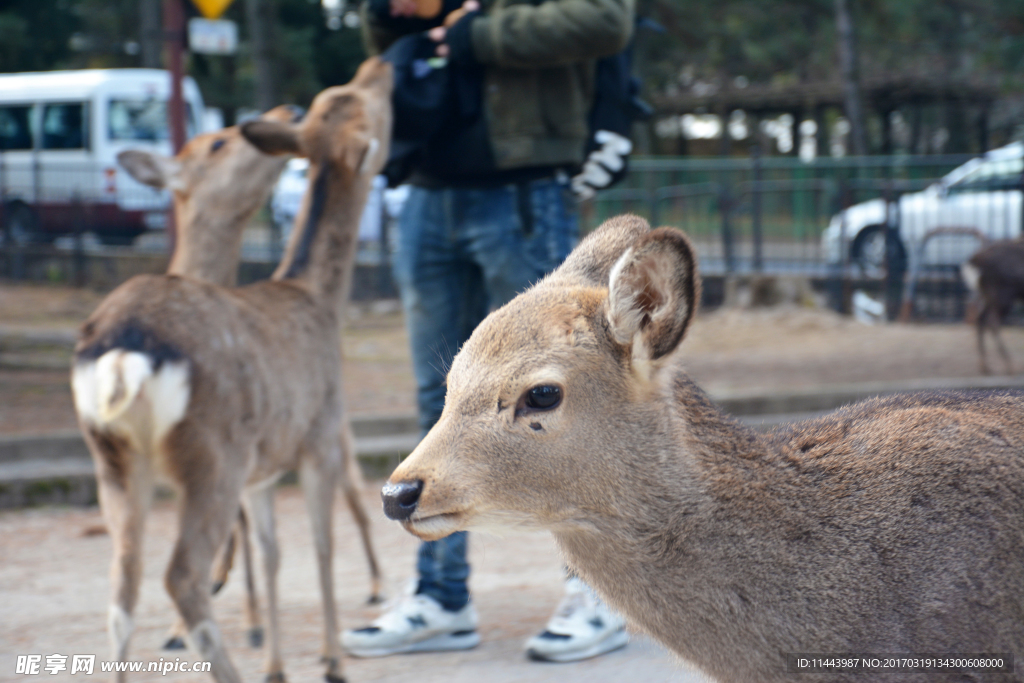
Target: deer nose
400,499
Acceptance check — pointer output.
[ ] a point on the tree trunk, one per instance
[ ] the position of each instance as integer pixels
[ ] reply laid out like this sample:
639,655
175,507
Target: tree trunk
851,80
262,18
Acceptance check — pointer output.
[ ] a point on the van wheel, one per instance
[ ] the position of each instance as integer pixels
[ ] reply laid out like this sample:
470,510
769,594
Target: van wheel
20,228
871,252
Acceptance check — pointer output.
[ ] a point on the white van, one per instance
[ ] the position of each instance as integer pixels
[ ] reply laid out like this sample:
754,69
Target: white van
60,133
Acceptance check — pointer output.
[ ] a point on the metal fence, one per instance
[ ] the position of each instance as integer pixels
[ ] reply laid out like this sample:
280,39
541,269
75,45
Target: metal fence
894,227
885,225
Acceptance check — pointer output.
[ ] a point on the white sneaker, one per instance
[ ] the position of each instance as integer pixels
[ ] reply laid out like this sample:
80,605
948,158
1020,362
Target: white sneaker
415,623
582,627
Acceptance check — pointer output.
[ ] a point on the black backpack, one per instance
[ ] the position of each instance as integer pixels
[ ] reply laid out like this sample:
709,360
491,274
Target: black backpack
430,96
617,105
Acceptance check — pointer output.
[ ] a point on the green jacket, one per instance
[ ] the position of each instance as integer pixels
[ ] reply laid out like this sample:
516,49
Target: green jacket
539,72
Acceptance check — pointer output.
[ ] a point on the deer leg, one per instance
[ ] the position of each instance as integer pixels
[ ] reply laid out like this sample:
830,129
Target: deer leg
351,478
980,326
252,605
225,561
259,508
208,510
997,334
221,568
124,484
318,476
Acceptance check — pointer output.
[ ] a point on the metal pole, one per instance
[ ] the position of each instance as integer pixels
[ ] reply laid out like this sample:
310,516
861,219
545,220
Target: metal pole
174,35
755,210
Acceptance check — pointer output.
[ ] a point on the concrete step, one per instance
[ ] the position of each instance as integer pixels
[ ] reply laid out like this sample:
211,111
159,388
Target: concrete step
56,468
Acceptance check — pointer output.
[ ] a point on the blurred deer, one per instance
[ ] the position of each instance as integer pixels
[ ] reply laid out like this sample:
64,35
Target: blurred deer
219,181
891,526
224,389
995,274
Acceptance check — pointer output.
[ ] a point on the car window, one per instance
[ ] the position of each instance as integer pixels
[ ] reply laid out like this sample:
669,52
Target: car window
15,129
1001,174
65,126
143,120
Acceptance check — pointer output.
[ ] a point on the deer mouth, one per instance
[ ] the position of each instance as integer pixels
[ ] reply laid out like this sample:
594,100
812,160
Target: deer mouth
434,527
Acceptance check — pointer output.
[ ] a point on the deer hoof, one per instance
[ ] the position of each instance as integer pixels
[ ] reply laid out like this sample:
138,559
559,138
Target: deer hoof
217,585
175,643
256,637
375,599
275,678
331,678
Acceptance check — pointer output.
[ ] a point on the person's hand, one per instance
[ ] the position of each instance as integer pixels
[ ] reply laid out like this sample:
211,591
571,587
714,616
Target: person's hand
438,33
403,8
424,9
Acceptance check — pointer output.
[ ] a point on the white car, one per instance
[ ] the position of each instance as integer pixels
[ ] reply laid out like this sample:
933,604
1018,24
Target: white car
984,194
291,186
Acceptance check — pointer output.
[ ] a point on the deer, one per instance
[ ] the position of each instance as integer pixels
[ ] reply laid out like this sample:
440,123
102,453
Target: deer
890,526
995,274
221,390
219,181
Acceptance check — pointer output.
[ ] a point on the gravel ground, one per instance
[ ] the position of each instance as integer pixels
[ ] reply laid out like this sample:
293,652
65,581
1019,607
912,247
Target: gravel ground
53,578
54,596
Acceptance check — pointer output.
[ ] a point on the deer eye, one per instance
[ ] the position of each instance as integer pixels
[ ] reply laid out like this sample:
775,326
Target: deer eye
544,397
217,144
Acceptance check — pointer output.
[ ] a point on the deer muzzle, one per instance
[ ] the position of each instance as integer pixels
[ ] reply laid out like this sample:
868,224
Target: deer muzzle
400,499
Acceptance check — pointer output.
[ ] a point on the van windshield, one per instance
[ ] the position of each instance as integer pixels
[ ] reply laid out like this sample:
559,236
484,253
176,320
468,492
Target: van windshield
142,120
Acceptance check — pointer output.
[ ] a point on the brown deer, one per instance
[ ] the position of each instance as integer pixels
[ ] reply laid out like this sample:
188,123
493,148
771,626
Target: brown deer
219,180
995,274
223,389
892,526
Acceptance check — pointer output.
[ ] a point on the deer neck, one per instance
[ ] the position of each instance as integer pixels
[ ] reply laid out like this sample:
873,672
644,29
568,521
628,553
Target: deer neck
671,516
322,247
209,243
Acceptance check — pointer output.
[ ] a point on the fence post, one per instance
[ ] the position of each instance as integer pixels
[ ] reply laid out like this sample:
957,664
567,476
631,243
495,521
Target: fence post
650,190
725,202
755,209
78,258
894,270
841,286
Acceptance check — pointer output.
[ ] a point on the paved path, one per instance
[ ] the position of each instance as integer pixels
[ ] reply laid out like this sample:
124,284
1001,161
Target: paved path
53,599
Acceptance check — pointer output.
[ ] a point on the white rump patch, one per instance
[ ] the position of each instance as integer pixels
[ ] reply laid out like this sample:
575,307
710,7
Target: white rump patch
119,376
121,390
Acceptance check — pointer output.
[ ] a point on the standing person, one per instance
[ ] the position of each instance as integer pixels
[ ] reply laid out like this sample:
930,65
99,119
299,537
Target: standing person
489,213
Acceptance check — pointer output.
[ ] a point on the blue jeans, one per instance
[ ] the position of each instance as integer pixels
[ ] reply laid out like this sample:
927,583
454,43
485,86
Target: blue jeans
459,254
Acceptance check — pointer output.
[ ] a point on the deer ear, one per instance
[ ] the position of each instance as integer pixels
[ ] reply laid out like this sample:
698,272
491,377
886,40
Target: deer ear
150,169
591,262
272,137
653,292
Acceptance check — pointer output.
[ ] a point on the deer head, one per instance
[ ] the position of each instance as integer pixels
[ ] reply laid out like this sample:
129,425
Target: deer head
348,126
214,167
546,400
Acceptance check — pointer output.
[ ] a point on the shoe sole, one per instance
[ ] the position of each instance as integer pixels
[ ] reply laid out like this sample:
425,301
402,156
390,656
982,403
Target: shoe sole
445,642
613,642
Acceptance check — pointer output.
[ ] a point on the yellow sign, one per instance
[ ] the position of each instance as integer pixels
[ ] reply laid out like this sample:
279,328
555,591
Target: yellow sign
211,9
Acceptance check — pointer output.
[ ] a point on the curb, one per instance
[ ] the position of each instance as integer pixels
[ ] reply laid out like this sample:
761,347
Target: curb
57,469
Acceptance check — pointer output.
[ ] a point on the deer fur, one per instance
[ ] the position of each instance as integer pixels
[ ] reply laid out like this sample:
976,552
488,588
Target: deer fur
223,389
996,276
891,526
219,181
